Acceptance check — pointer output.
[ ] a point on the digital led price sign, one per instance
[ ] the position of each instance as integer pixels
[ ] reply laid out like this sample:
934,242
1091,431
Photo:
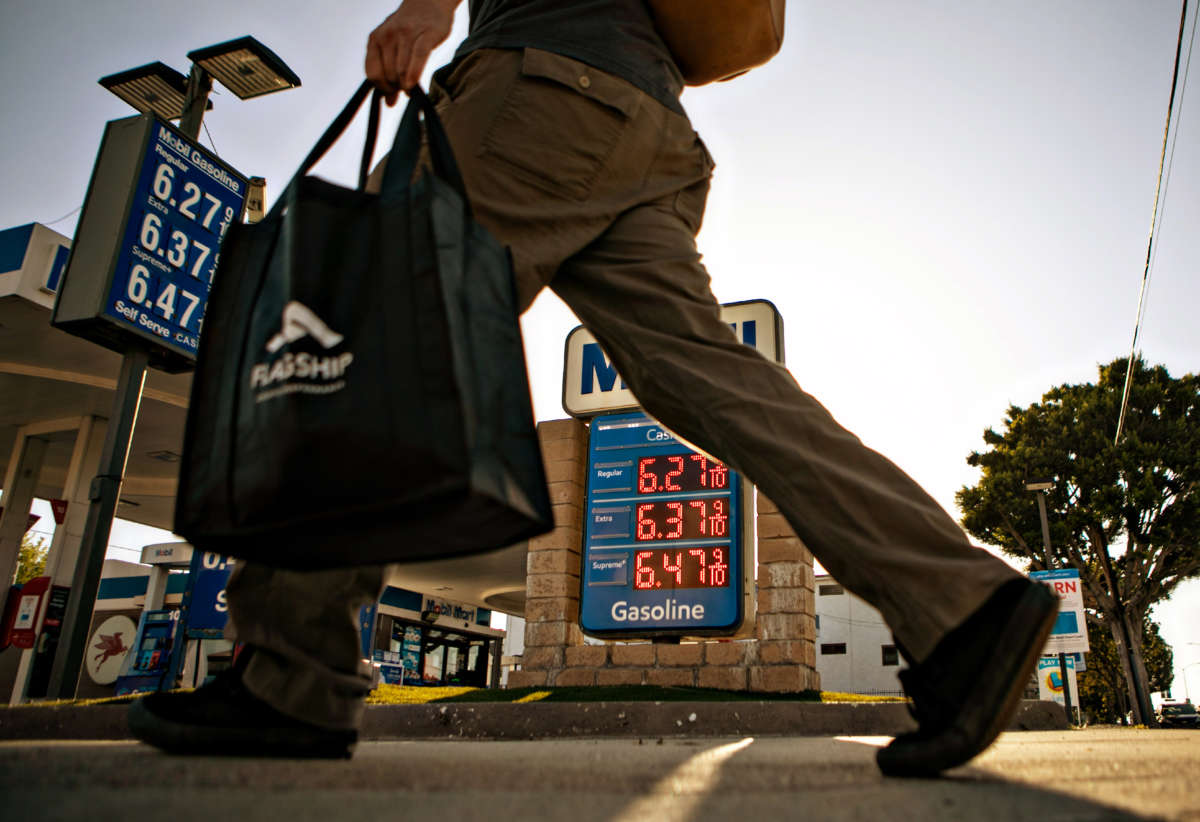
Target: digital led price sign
664,536
142,264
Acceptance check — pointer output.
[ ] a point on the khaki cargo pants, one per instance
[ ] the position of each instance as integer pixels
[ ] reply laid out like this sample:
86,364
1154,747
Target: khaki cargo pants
599,190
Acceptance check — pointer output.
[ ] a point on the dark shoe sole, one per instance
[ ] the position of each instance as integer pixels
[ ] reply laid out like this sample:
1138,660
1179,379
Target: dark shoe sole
201,740
987,713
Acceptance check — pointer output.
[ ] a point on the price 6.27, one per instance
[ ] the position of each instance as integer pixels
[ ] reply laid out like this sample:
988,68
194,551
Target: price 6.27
176,248
195,204
171,299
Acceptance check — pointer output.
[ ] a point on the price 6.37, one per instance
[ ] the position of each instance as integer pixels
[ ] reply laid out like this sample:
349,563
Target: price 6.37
171,299
175,248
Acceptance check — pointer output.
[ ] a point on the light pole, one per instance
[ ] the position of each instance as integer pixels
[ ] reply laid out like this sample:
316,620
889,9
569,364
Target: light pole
1040,487
248,69
244,66
1187,695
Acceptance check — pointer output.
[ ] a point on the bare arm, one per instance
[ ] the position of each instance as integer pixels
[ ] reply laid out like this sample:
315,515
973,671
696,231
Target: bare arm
399,47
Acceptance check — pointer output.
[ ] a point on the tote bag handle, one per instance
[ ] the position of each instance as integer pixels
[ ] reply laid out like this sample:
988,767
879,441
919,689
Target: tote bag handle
405,148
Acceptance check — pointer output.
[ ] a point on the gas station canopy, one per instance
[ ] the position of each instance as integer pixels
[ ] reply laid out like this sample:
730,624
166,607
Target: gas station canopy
48,375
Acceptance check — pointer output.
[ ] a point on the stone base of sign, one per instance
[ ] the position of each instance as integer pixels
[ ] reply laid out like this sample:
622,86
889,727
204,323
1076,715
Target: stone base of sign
780,657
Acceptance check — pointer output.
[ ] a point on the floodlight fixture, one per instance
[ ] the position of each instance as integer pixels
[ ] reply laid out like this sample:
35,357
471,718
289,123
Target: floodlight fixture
153,88
246,67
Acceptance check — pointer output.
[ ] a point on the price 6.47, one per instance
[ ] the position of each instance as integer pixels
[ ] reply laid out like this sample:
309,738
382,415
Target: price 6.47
170,300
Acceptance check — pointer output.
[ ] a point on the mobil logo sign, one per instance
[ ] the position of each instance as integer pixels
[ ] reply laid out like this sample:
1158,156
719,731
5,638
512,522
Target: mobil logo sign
591,384
1070,629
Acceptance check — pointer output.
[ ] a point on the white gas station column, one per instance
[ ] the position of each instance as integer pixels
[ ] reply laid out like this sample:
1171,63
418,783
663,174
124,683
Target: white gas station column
19,486
64,548
85,463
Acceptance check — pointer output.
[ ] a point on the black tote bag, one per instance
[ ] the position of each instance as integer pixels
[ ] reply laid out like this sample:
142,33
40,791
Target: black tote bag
360,393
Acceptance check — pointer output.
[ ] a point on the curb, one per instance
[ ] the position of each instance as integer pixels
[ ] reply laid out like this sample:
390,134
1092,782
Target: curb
559,720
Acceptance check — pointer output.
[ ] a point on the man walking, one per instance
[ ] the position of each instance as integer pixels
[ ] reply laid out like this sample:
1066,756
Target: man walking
565,118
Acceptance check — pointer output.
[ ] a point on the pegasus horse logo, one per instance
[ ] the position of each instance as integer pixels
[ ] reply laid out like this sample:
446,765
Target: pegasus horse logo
109,646
299,320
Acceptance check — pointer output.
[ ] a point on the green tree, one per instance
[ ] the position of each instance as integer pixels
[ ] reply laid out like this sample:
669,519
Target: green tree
31,558
1126,515
1102,686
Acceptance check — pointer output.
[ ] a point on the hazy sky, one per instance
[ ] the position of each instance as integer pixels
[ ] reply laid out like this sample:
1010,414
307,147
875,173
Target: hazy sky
949,202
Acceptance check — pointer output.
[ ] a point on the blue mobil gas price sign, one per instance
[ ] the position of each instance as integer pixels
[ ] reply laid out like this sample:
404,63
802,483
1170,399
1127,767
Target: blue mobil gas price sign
664,535
206,608
148,241
183,202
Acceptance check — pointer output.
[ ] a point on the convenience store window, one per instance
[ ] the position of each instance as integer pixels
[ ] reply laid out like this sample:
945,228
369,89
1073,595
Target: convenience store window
435,656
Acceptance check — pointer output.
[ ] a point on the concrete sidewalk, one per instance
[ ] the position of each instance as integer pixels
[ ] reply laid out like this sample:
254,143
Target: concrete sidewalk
1104,774
558,720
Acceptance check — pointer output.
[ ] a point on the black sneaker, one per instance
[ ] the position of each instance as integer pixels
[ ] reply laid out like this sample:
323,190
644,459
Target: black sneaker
966,692
222,718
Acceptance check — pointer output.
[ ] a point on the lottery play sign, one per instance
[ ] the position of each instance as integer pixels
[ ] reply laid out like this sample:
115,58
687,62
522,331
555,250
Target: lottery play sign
1069,634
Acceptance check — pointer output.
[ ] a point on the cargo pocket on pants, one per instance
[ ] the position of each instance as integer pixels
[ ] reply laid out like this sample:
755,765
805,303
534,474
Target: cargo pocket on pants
559,124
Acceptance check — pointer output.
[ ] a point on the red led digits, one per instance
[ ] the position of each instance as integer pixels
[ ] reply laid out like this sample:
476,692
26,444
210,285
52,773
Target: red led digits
686,519
718,476
676,569
718,571
645,524
718,522
671,568
691,511
669,479
676,509
647,479
699,553
643,573
680,472
702,506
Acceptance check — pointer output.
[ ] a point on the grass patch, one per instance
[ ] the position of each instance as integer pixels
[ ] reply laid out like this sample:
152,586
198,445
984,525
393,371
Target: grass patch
79,703
410,695
413,695
839,696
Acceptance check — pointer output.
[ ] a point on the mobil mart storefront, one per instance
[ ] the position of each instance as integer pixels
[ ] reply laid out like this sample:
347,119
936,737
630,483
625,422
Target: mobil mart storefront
418,639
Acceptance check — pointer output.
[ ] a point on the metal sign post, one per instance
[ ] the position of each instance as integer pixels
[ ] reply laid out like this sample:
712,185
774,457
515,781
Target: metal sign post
105,491
1069,634
137,281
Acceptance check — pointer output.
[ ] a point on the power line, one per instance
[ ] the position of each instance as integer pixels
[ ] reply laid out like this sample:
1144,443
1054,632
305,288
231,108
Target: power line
211,142
65,216
1158,192
1187,70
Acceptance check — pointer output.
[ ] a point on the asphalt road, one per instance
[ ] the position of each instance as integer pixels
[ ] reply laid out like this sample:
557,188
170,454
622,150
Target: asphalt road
1051,775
